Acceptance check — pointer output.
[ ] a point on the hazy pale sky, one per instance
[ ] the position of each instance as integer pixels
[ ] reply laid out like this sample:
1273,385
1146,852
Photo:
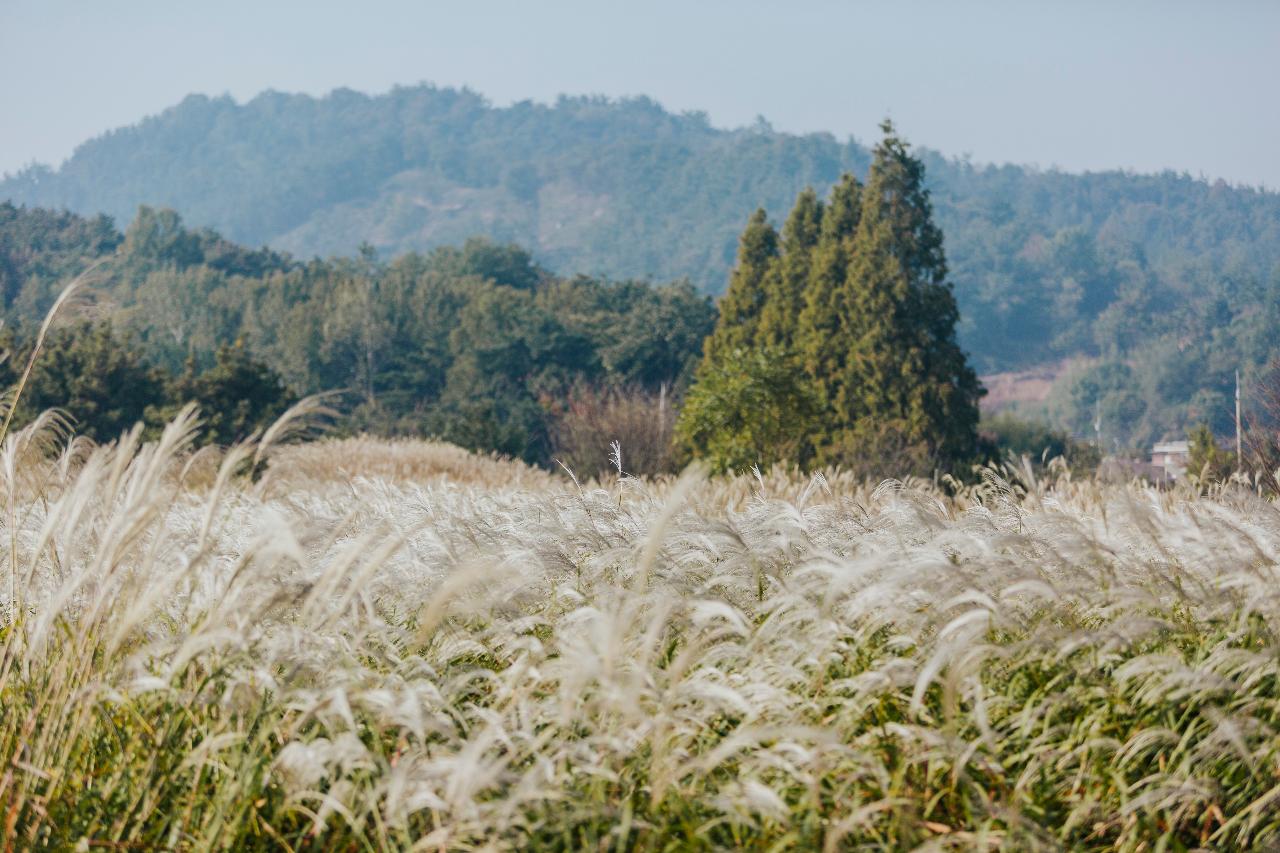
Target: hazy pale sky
1078,85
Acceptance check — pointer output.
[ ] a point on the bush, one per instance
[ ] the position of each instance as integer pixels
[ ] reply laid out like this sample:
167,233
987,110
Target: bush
592,422
1007,436
753,408
236,396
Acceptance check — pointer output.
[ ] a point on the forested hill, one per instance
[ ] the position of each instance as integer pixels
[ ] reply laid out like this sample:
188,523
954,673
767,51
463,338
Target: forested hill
1046,265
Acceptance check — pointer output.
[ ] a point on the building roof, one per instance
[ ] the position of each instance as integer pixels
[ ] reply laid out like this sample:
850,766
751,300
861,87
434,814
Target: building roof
1171,447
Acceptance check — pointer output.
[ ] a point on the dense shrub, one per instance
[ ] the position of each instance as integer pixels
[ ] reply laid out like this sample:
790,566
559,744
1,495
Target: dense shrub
595,431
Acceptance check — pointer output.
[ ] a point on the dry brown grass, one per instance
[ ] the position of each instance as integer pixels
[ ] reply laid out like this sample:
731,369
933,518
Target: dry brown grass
398,461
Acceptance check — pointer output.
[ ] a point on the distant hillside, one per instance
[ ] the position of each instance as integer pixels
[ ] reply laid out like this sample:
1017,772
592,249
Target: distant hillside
626,189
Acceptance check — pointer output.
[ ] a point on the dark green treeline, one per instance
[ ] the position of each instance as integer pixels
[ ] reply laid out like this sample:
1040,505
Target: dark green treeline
475,344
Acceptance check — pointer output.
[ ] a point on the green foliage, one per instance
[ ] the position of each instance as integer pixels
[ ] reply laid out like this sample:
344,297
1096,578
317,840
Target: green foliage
858,305
237,397
505,264
902,373
750,408
100,380
464,343
95,376
1168,368
1010,437
159,236
485,412
738,325
504,347
649,342
1105,394
823,323
788,276
1206,459
42,249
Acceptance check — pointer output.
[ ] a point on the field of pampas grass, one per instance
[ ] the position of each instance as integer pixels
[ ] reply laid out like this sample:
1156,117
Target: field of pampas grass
376,646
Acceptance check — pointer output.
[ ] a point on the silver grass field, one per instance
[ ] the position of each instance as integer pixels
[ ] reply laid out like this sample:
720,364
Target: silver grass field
377,645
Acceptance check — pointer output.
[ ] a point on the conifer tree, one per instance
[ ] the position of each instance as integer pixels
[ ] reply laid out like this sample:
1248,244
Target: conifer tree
823,324
743,302
904,379
788,277
745,407
856,312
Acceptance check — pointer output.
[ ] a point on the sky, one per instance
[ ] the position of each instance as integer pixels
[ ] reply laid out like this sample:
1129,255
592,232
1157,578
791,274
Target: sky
1077,85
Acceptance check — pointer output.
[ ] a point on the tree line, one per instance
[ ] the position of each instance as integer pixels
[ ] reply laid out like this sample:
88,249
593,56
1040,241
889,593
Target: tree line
420,342
97,378
1148,290
475,344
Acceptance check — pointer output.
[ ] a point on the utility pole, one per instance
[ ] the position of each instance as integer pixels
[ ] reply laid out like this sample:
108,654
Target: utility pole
1239,455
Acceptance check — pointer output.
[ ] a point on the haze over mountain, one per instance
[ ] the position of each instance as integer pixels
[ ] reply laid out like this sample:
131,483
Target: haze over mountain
1146,85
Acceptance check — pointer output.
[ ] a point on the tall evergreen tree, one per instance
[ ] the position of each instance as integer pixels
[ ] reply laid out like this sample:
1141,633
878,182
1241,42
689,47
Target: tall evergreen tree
823,326
788,277
743,302
904,379
854,305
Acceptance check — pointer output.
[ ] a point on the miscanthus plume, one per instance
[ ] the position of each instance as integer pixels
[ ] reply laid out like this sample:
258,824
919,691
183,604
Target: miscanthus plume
388,645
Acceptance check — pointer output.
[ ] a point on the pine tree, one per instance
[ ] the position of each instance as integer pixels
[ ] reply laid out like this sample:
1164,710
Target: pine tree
821,336
788,277
743,302
904,380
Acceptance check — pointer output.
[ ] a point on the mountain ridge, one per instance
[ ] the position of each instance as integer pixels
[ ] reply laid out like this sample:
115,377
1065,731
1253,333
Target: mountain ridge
1047,265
